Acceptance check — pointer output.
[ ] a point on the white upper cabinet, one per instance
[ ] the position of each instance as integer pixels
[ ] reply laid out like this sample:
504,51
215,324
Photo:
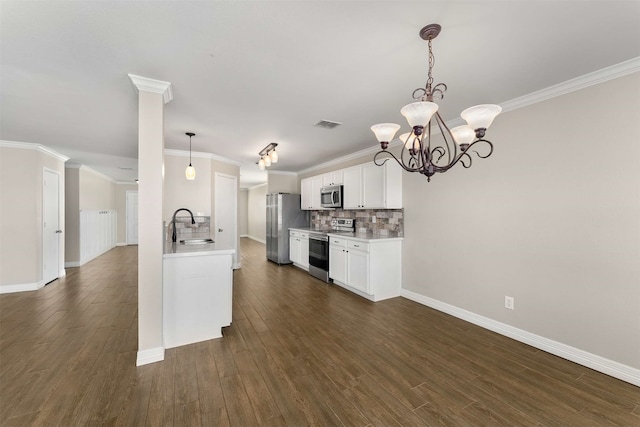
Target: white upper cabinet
332,178
310,193
368,186
365,186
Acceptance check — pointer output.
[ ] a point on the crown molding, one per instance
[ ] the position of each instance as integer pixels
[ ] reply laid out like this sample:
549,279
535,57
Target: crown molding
257,186
609,73
33,146
199,154
276,172
93,171
343,159
151,85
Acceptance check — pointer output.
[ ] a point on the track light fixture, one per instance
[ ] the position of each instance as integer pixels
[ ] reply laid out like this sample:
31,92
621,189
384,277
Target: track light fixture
268,155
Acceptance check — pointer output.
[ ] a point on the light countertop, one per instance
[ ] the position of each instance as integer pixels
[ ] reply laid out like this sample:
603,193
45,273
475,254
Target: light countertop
365,237
172,250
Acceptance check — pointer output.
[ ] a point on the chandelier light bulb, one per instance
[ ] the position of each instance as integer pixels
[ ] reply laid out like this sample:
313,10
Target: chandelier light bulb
385,132
411,141
261,164
419,113
274,156
481,116
267,160
463,134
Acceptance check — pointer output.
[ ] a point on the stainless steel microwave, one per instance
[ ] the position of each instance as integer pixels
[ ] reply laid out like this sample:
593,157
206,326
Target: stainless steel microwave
331,197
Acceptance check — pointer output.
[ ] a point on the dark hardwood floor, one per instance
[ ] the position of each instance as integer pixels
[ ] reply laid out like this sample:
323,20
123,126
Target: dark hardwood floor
299,352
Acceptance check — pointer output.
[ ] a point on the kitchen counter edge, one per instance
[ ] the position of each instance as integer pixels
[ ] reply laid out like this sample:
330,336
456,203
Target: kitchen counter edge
175,250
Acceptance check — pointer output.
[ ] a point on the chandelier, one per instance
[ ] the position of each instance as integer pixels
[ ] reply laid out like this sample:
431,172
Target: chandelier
420,153
268,155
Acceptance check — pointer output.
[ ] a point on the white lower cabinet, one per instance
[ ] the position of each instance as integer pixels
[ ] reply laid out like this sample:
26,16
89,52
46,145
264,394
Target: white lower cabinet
370,268
299,249
197,297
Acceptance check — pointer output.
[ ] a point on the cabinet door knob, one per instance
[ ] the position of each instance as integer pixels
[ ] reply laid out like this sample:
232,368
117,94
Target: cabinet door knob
220,229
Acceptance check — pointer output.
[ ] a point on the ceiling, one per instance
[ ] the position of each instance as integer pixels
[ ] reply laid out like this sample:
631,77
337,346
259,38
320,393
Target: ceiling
246,73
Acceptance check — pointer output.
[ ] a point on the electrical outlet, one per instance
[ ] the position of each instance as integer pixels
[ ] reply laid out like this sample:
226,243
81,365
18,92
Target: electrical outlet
509,302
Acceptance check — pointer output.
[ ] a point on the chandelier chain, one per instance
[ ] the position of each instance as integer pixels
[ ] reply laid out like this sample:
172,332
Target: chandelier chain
430,74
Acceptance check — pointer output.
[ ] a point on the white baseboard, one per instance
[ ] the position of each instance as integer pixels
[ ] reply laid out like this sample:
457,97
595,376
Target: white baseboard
258,240
598,363
22,287
62,273
72,264
121,244
151,355
244,235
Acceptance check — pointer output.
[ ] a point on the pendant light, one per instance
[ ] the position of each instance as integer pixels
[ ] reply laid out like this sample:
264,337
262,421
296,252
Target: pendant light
190,171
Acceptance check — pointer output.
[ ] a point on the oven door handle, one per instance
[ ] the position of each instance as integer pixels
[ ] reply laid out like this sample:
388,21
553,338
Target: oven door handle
319,238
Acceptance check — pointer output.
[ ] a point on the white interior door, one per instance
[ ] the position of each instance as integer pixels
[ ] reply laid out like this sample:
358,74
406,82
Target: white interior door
50,225
226,200
132,217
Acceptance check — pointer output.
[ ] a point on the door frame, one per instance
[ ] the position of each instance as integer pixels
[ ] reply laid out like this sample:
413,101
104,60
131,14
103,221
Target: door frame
126,216
236,263
60,272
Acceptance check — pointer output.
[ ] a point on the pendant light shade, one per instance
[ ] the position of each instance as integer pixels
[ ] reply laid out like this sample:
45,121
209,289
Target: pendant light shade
274,156
190,171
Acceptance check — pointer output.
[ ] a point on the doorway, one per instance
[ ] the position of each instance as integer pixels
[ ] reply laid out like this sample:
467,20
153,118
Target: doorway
50,225
226,213
132,217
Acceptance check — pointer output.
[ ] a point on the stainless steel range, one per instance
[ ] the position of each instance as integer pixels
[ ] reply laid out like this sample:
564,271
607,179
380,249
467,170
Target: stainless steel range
319,246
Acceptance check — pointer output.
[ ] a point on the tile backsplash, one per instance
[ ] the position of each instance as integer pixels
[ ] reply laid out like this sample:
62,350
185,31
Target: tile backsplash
185,230
384,222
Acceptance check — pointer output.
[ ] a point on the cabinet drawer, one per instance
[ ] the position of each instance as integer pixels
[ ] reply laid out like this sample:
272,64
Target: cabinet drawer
361,246
337,241
299,234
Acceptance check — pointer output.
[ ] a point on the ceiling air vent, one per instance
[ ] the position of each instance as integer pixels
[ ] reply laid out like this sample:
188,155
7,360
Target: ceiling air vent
327,124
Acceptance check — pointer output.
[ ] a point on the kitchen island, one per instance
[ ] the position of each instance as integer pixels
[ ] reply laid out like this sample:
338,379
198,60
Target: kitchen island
197,292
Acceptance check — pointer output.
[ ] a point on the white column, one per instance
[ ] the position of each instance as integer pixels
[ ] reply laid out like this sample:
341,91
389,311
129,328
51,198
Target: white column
152,95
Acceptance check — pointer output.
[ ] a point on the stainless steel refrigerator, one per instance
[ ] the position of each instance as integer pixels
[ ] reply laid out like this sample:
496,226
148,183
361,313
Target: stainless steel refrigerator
283,211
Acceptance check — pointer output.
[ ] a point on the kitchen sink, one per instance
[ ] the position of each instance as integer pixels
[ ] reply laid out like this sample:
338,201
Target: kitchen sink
196,241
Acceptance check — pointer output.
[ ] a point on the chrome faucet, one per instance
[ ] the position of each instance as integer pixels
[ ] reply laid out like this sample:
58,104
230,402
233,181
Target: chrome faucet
173,223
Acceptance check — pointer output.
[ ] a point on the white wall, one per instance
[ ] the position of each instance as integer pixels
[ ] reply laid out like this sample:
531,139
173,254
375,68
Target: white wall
551,219
243,212
87,190
121,209
21,175
258,213
179,192
282,182
97,192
